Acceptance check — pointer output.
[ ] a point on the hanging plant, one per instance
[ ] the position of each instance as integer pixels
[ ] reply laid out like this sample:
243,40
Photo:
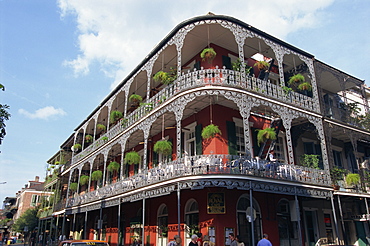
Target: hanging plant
161,76
305,86
101,127
115,116
265,134
298,78
77,147
96,175
163,147
84,179
262,65
135,98
132,157
113,166
208,54
73,186
210,131
352,179
88,138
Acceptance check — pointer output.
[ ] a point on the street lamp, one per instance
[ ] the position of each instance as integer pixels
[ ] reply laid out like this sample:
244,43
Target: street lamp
2,183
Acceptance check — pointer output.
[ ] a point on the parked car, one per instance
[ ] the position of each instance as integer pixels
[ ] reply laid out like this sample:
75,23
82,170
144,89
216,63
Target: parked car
83,243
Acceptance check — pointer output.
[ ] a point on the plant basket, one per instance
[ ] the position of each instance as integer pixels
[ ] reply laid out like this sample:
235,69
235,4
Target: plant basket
113,166
77,147
132,157
88,138
115,116
84,179
265,134
73,186
135,98
101,127
210,131
96,175
208,54
298,78
305,86
163,147
262,65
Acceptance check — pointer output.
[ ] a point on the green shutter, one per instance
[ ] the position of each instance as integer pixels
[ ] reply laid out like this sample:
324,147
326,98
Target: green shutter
231,138
256,148
198,139
155,158
182,144
226,62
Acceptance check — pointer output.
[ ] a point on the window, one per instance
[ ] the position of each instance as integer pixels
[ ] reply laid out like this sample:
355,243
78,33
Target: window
190,146
35,200
337,158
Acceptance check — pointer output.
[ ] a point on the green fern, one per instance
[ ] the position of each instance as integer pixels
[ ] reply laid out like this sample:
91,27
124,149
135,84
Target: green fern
265,134
210,131
163,147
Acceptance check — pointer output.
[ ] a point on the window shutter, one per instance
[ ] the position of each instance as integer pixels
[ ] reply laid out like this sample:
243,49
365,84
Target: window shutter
198,139
231,137
197,65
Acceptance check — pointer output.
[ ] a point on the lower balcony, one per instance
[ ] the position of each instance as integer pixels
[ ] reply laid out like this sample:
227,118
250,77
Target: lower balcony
203,165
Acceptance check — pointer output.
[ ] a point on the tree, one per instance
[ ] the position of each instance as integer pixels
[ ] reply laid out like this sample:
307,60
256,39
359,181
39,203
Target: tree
4,115
28,218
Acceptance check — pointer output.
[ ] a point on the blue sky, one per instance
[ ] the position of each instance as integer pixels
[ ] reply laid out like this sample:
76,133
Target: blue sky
60,59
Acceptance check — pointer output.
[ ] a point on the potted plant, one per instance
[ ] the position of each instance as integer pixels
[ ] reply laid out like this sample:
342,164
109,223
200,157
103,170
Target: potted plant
210,131
84,179
115,116
101,127
135,98
297,79
311,161
262,65
105,138
208,54
73,186
132,157
113,166
163,147
265,134
336,174
88,138
352,179
237,66
77,147
96,175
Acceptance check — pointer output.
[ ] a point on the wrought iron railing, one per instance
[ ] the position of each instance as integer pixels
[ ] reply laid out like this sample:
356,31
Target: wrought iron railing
208,165
200,78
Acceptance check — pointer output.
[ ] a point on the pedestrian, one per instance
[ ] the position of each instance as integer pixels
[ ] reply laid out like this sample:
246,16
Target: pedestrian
239,240
176,241
264,241
207,242
232,239
200,240
194,240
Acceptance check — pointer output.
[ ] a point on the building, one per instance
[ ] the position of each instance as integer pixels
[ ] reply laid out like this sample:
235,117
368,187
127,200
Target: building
217,75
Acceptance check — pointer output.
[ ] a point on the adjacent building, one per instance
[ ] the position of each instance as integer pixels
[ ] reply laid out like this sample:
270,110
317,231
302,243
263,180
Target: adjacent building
265,138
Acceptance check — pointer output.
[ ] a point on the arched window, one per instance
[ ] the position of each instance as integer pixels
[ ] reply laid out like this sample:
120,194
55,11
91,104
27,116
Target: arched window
191,219
244,220
162,222
287,228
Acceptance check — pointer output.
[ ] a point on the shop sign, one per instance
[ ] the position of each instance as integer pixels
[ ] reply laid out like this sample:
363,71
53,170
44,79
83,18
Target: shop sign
216,203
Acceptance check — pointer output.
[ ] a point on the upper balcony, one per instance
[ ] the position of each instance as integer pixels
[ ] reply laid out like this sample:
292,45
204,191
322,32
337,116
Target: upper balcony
225,79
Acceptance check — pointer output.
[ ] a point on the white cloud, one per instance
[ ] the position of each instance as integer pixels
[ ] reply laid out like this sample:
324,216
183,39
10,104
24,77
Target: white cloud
118,36
43,113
